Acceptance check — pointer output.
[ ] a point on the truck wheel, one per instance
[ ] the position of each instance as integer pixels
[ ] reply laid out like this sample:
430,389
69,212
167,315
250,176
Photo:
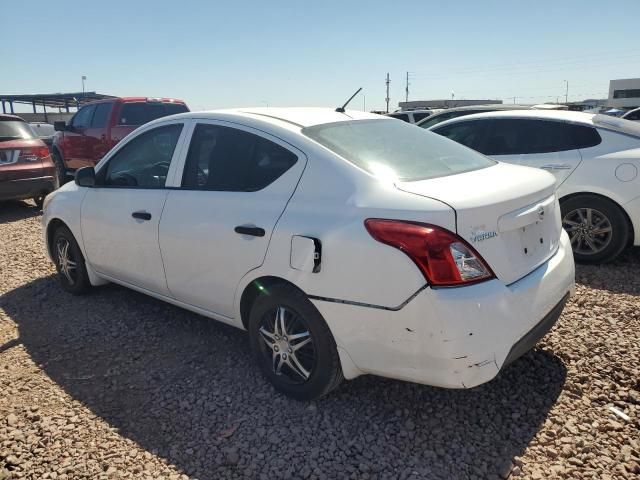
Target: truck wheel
597,227
61,170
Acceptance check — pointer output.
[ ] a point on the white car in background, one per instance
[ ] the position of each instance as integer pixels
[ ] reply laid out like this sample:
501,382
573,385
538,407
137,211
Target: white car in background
345,243
595,159
412,116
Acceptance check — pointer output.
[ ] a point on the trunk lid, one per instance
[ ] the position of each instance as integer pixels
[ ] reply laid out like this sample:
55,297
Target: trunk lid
508,213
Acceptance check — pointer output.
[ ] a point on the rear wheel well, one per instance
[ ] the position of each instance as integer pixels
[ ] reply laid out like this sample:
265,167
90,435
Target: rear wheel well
259,286
604,197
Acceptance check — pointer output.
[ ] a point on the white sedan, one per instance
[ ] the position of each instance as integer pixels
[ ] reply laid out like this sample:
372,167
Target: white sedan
345,243
595,159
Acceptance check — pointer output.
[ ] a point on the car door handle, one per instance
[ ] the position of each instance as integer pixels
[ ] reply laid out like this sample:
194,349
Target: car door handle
254,231
557,166
141,215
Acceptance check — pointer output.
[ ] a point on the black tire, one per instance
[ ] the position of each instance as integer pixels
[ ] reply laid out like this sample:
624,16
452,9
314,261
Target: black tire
606,213
39,200
76,279
61,170
318,357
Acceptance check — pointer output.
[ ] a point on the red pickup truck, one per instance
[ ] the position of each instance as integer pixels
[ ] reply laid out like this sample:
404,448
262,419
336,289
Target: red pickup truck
98,126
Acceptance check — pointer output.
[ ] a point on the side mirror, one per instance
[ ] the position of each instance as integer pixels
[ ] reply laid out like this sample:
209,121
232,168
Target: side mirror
85,177
60,126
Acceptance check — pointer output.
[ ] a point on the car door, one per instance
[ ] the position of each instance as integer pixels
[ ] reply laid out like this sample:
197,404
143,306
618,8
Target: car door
75,140
96,135
120,215
216,227
546,144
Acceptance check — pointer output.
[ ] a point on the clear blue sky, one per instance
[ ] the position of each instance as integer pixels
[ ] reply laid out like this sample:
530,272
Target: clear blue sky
249,53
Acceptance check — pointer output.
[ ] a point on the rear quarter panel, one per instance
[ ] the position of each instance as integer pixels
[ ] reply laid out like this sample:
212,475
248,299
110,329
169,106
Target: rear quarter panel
331,203
608,170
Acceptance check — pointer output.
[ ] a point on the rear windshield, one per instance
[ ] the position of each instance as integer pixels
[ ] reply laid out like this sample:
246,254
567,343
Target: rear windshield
15,130
139,113
396,150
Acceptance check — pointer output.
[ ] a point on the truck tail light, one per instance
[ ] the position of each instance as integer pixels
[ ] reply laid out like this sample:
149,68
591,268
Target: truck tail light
444,258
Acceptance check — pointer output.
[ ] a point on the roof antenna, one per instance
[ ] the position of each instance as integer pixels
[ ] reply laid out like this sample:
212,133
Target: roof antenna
341,109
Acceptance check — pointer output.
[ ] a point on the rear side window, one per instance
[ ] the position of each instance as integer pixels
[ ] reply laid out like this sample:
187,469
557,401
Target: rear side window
82,119
512,136
139,113
232,160
101,115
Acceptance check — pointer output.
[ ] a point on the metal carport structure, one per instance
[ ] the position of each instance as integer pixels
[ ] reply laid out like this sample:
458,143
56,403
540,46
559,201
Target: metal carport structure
52,100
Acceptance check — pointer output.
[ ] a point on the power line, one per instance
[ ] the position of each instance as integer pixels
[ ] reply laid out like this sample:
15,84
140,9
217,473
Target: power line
536,64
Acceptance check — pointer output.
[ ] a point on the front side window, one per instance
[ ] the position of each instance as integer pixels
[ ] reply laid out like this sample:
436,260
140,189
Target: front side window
101,115
139,113
144,161
395,150
228,159
469,134
82,119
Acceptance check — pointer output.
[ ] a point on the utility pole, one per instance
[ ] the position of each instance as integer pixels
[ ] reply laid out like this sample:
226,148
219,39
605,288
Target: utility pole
406,90
566,93
84,77
387,99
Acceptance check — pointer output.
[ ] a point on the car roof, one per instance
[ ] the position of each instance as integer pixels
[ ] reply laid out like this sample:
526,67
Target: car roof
563,115
489,106
300,117
136,100
415,110
7,117
606,122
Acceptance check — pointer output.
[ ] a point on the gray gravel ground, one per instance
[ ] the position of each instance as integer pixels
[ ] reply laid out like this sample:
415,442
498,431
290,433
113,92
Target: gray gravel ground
119,385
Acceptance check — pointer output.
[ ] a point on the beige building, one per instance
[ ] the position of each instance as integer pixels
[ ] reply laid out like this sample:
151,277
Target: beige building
624,93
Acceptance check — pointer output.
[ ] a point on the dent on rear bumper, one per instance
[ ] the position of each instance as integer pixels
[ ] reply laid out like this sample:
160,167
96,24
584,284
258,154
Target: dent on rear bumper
455,338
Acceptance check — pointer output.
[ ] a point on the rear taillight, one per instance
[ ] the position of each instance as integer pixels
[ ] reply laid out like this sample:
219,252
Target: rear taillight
443,257
33,154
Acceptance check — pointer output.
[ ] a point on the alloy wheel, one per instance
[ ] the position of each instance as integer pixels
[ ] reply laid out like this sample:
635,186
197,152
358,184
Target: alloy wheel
66,262
287,345
589,229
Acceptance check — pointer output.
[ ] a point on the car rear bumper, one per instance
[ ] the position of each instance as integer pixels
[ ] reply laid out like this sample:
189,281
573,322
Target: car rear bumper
633,210
453,337
26,188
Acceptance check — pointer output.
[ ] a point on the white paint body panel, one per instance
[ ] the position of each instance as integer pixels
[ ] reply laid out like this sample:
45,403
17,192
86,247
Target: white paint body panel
610,169
196,260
